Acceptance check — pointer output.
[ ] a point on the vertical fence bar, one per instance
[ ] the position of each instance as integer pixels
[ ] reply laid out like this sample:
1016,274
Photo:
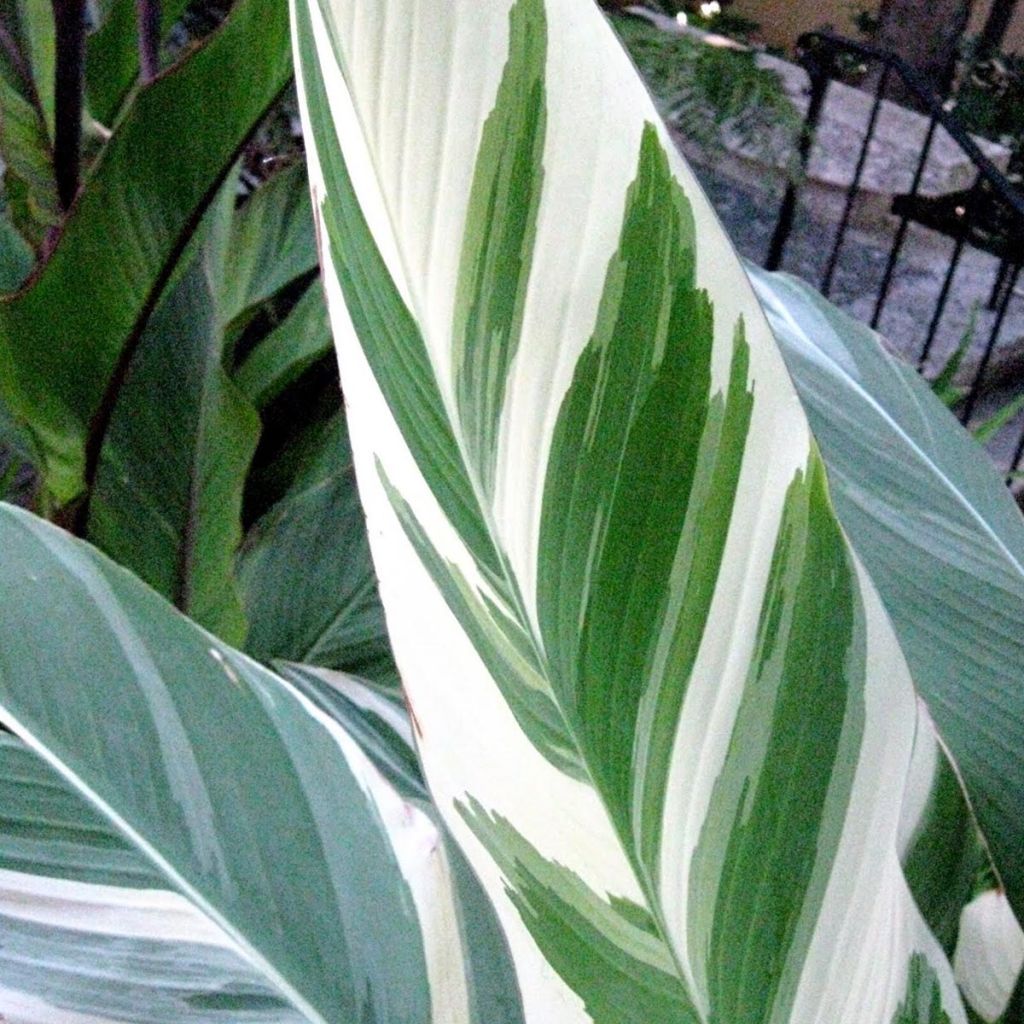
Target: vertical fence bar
997,286
819,76
940,304
966,212
901,231
990,185
851,192
1018,457
997,325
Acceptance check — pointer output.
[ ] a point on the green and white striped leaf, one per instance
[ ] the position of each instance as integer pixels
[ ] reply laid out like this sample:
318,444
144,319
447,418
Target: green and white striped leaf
227,785
657,698
941,536
89,926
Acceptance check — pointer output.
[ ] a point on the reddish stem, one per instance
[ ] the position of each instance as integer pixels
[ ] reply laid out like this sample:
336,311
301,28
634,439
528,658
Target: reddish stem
149,38
69,87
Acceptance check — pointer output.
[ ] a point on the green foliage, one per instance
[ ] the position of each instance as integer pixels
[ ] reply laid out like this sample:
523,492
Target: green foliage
112,56
170,282
132,220
990,99
943,384
189,768
706,90
167,495
940,535
952,394
26,118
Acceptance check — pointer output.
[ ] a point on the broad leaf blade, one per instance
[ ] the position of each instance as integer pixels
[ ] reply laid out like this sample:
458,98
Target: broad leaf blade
112,56
134,217
272,242
312,864
379,722
941,536
167,501
26,146
16,256
89,926
660,567
286,352
314,534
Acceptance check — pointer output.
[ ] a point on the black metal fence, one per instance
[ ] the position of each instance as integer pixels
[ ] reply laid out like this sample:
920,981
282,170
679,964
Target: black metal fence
987,216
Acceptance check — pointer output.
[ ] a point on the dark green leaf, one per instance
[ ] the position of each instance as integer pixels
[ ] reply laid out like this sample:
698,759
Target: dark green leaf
943,855
272,242
168,496
307,579
16,256
295,448
134,217
280,358
112,56
26,113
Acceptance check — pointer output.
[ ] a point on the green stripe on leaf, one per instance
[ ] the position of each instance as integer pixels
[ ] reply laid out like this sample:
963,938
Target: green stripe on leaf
501,643
643,465
390,336
923,1001
497,249
780,801
603,948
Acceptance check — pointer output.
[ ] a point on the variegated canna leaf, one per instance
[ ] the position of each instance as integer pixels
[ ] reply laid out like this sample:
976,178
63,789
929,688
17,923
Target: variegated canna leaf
90,930
657,697
941,536
188,836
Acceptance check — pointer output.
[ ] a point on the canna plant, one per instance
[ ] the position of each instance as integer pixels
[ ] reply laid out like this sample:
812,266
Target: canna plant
101,263
188,311
605,540
694,749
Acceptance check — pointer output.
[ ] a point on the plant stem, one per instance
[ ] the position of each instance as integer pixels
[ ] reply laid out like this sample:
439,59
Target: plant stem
69,86
149,38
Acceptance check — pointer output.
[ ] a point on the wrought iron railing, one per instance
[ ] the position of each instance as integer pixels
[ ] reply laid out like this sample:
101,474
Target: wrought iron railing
988,215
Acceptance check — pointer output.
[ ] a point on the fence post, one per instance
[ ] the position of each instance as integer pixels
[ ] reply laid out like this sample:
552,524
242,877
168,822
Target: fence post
819,74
